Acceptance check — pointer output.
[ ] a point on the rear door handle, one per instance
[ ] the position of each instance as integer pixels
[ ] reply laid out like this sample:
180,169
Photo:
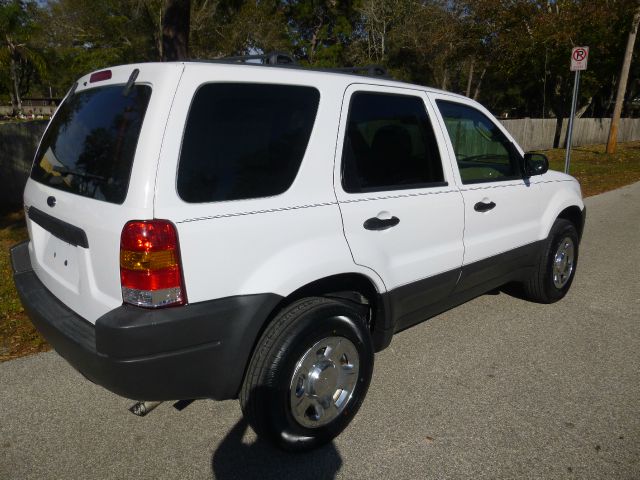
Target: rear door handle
376,223
484,207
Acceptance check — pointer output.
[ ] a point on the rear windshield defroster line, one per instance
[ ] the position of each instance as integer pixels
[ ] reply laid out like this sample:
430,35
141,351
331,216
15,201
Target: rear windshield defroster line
89,147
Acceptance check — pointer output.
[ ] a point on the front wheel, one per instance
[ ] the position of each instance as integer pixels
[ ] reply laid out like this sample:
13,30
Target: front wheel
556,265
309,373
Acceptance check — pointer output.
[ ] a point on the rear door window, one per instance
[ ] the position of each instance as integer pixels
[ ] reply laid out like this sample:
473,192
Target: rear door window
244,141
89,147
389,145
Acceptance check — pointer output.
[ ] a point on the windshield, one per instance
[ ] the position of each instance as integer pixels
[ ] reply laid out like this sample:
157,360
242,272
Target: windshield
89,147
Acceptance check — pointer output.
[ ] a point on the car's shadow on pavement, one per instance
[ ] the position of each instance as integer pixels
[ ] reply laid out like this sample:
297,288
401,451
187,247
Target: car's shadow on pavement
237,460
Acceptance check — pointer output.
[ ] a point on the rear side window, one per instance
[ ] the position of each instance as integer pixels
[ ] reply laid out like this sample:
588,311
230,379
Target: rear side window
89,147
244,140
389,145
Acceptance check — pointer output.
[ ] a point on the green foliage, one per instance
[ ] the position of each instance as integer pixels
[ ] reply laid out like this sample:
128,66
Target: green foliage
320,30
20,61
237,28
531,46
80,36
513,55
18,336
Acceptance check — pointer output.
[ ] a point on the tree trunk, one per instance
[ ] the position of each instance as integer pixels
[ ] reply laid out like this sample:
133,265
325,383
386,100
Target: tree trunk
314,42
610,101
175,30
445,78
556,136
382,41
581,110
622,84
473,61
558,108
16,101
159,35
476,93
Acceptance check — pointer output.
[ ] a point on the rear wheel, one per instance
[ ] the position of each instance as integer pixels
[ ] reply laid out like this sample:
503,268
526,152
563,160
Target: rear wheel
556,265
309,373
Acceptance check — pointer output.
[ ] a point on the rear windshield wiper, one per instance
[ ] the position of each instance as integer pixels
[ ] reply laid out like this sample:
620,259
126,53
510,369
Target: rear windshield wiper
69,171
130,82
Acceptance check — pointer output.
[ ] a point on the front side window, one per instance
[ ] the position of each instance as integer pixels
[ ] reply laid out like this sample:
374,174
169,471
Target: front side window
483,152
244,141
389,145
89,147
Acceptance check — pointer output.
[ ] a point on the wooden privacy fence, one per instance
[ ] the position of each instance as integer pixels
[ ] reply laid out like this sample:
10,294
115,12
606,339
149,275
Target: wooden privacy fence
537,133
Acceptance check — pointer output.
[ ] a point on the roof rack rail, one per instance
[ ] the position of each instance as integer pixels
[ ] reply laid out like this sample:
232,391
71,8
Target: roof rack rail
369,70
270,58
282,59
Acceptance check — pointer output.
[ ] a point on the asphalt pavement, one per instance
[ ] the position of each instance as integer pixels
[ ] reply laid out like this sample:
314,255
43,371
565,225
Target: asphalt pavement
496,388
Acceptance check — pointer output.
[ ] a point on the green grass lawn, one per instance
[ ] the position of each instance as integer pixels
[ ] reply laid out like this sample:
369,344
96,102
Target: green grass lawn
597,172
18,337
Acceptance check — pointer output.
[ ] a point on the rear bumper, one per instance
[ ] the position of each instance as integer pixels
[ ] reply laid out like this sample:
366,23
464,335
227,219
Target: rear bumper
194,351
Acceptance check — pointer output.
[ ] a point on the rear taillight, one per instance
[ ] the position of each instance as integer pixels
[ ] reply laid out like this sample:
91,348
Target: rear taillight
150,271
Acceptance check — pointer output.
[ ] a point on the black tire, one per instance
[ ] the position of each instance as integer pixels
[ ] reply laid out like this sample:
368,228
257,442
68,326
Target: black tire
540,287
266,390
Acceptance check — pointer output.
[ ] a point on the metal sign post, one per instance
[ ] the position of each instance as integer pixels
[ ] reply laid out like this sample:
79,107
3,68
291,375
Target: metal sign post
579,57
574,100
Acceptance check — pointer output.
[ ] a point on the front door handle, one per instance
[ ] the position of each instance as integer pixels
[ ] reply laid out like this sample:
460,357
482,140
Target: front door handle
484,207
376,223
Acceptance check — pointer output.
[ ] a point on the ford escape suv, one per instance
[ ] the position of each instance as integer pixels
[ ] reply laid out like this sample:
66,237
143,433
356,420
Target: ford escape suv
226,230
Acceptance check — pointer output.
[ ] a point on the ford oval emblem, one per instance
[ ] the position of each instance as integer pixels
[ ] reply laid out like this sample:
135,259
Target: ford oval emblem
51,201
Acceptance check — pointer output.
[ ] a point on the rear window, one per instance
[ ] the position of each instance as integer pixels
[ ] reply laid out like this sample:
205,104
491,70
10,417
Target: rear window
244,140
89,147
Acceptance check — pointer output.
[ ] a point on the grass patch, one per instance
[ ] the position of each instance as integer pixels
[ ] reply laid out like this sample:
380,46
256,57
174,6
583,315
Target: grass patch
596,171
18,337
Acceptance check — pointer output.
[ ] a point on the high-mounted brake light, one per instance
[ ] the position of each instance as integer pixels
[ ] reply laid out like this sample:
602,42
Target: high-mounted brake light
150,271
100,76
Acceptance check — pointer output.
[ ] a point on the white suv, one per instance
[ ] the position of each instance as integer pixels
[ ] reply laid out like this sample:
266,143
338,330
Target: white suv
224,230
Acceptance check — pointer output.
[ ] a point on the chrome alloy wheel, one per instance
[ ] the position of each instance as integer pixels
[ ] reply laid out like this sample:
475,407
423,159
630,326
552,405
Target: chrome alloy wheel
563,262
323,381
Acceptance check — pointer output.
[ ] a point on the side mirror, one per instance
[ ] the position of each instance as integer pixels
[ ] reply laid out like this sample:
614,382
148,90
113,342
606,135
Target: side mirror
535,164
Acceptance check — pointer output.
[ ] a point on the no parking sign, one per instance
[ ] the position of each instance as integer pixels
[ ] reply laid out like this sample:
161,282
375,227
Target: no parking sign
579,57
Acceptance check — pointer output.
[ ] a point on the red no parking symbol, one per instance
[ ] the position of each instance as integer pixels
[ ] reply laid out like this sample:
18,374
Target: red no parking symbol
579,54
579,57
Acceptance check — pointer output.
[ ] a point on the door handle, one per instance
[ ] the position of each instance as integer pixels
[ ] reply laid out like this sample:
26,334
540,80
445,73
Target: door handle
484,207
376,223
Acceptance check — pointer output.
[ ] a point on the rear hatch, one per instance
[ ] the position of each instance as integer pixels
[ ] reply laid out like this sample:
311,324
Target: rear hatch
95,170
